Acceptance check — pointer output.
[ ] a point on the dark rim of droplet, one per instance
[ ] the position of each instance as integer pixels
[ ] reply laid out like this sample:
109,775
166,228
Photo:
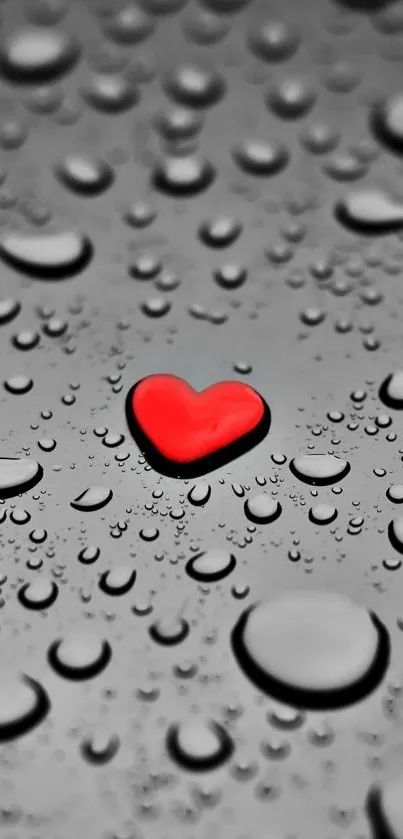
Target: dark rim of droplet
51,272
93,507
38,605
183,190
169,640
13,491
77,673
205,577
203,465
386,398
208,238
93,557
262,519
376,815
394,541
99,758
116,590
87,188
233,282
326,481
35,715
365,228
379,126
21,391
41,75
320,522
194,764
195,501
312,699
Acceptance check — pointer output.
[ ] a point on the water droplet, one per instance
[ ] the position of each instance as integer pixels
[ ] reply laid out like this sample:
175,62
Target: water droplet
41,594
387,122
322,514
18,385
391,391
211,566
395,493
89,555
230,276
46,256
327,651
169,630
319,138
274,40
23,705
220,232
27,339
395,533
291,99
129,25
80,656
258,157
9,309
199,745
85,174
119,580
183,176
18,475
370,211
92,498
155,307
33,55
100,749
319,469
262,509
194,86
199,494
110,93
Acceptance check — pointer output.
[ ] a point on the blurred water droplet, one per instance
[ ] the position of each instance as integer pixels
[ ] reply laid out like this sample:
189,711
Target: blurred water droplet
80,656
38,55
46,256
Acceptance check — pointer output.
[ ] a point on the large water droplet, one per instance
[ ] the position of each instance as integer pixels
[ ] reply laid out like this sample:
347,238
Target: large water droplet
23,704
38,595
312,649
194,86
320,469
80,656
262,509
258,157
93,498
391,390
38,55
110,93
183,176
47,255
395,533
211,566
18,475
84,174
370,211
118,580
387,122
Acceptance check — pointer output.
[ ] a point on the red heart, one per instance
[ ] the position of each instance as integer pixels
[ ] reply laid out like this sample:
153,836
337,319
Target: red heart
184,432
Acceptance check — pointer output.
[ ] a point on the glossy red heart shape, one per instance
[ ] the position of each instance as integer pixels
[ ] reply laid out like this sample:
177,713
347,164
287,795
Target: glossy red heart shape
185,432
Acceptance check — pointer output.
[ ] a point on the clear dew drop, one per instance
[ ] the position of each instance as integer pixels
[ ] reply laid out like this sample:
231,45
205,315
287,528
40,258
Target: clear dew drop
129,25
79,656
231,275
47,255
370,211
85,174
38,595
118,580
391,390
262,509
293,98
211,566
9,309
178,125
194,86
219,232
204,28
387,122
23,705
110,93
320,469
100,748
262,158
26,339
155,307
326,648
18,385
319,138
89,554
199,745
183,176
91,499
33,55
274,40
18,475
199,494
322,514
169,630
395,493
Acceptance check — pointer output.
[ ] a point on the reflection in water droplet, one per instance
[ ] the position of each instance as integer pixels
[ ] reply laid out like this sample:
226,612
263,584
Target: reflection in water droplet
23,704
262,509
93,498
370,211
320,469
119,580
327,651
211,566
38,55
38,595
199,745
183,176
80,656
47,255
258,157
84,174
